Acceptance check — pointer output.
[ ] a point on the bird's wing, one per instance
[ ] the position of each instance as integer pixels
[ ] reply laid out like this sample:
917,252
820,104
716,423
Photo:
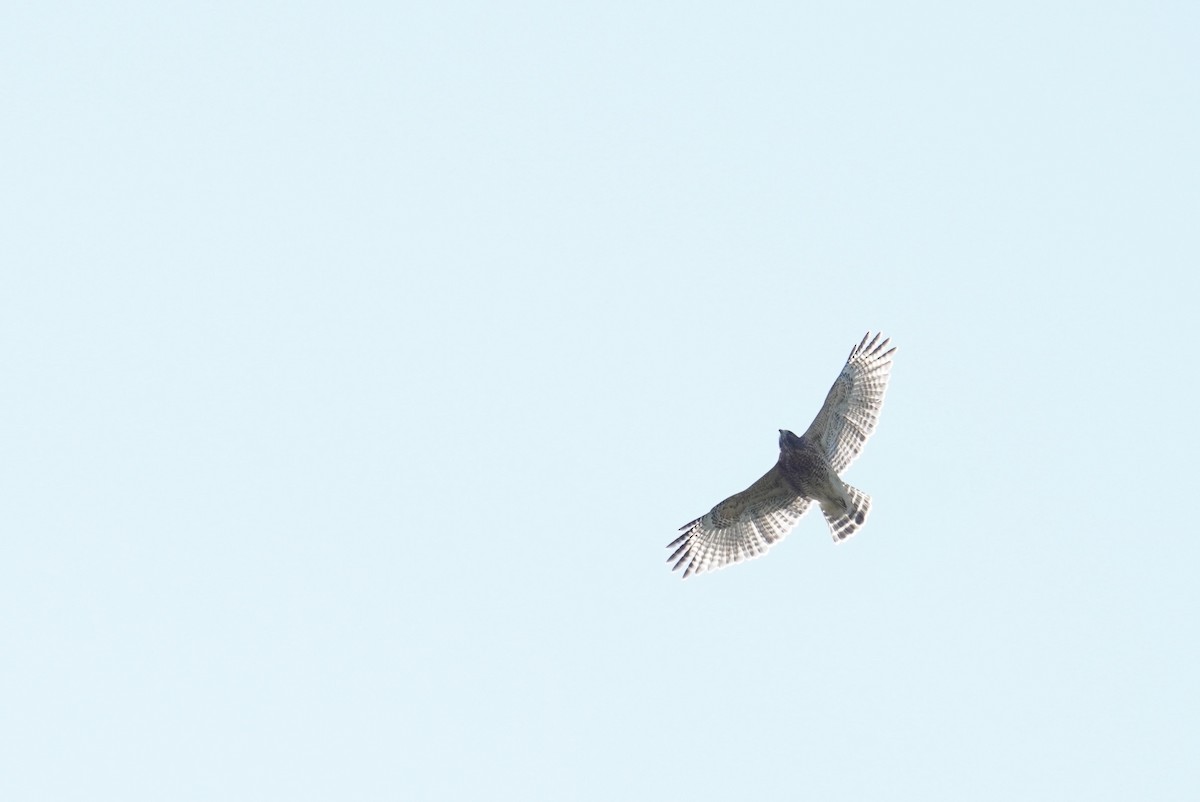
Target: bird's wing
741,527
851,409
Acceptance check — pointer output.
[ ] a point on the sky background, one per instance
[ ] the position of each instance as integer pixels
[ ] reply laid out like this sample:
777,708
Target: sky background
360,359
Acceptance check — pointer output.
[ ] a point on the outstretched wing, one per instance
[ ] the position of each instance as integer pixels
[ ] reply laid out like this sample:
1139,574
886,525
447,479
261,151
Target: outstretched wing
851,409
741,527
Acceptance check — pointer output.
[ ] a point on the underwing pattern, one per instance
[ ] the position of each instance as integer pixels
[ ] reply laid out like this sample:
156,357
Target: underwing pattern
745,525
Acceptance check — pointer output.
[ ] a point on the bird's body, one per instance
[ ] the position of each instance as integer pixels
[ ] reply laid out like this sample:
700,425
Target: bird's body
745,525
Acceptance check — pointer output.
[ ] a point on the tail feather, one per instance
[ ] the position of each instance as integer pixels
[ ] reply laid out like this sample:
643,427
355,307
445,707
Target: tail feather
844,524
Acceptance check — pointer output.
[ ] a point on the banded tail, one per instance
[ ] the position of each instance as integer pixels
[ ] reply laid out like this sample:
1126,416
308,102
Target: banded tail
843,524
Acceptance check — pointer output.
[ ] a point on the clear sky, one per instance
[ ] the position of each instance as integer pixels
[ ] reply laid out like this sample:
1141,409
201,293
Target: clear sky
360,359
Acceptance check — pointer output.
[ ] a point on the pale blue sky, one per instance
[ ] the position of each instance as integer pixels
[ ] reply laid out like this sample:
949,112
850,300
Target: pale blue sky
361,358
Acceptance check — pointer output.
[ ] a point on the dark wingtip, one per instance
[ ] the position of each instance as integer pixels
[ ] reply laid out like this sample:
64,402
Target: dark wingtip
676,554
874,347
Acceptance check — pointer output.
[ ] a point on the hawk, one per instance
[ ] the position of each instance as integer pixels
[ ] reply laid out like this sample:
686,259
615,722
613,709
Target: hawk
745,525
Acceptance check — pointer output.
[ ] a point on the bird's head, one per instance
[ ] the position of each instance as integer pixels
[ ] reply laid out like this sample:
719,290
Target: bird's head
787,440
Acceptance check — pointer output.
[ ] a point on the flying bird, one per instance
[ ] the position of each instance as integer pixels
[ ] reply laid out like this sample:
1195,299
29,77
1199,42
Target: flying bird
745,525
